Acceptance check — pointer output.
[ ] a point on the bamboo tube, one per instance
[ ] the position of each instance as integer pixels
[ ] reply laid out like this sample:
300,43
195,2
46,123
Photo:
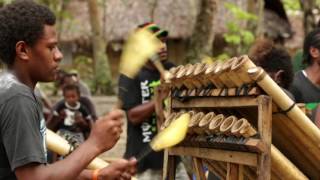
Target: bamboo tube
231,74
241,68
189,77
209,73
283,167
194,121
60,146
168,120
227,124
205,122
220,72
199,74
216,123
284,102
172,73
243,128
296,152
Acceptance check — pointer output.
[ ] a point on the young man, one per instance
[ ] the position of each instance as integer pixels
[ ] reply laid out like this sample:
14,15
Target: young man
136,95
28,46
306,83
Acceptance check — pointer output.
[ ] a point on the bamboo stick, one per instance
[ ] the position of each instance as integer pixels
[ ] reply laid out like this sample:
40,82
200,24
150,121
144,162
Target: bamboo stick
243,128
231,74
209,73
220,72
193,124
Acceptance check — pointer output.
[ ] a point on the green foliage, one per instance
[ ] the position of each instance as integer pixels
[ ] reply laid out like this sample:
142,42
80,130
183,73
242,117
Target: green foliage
293,5
238,39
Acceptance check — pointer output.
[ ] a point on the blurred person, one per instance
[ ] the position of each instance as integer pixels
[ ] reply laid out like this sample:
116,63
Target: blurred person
306,83
137,97
29,49
73,78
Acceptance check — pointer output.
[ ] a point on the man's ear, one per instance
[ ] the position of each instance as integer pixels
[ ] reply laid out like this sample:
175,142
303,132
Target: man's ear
22,50
278,76
314,52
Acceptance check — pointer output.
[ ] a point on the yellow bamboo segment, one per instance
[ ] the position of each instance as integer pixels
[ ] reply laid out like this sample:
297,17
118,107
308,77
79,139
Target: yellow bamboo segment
241,67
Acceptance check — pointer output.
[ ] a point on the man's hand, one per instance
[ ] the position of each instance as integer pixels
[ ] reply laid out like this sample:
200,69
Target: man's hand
106,130
119,170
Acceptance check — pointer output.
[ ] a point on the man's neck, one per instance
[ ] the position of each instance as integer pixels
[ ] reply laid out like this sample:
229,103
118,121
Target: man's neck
313,73
22,76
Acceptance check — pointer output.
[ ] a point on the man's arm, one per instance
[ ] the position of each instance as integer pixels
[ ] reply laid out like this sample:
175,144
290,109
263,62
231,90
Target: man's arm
138,114
105,134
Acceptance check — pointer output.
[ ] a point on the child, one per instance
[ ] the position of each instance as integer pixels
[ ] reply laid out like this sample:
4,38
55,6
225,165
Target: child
71,119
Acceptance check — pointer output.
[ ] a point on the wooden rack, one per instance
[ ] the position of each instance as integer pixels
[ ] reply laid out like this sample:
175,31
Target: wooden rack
231,158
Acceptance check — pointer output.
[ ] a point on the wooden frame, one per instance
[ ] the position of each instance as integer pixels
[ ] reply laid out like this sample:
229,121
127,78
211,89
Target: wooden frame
235,160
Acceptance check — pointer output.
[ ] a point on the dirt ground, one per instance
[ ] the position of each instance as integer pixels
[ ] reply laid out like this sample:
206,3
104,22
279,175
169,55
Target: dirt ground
104,104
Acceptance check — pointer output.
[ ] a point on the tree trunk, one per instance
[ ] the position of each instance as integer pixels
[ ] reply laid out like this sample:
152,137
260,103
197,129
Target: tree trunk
201,41
102,70
309,19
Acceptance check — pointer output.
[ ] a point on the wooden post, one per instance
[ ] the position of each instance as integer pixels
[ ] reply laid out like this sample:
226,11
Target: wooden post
234,171
264,128
169,166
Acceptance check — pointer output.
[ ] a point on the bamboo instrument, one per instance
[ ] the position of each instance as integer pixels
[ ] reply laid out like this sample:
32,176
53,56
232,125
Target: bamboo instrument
227,124
205,122
222,75
168,120
199,72
240,68
193,124
243,128
302,127
233,76
209,74
214,126
190,76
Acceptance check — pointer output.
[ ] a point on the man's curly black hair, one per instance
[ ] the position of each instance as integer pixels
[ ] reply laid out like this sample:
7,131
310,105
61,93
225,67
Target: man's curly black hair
273,59
21,21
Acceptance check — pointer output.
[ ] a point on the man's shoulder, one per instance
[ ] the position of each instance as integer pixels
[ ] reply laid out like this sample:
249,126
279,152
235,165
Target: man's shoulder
10,87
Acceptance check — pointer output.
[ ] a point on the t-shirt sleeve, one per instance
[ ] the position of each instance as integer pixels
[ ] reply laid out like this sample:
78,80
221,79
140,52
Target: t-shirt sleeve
129,92
296,93
20,130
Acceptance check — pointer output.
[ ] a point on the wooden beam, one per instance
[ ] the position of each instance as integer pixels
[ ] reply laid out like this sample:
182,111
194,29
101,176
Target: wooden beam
218,155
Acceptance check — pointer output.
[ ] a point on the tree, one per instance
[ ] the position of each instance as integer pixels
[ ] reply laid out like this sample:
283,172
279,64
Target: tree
201,41
102,70
309,18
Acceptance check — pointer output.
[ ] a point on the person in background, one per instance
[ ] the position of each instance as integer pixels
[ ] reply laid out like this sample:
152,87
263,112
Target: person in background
29,49
137,97
306,83
73,78
276,61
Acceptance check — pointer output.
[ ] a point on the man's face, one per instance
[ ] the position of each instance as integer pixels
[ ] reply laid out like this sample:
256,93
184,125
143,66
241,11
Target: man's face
45,56
163,53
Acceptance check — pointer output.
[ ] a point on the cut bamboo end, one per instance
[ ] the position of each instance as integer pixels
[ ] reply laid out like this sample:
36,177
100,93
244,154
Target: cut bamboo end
205,122
241,67
168,120
227,124
256,73
215,123
194,121
243,128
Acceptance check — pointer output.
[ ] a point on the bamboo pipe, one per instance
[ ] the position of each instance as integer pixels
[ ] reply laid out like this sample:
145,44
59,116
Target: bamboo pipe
216,123
220,72
60,146
199,74
193,124
190,76
283,140
283,167
205,122
168,120
243,128
231,74
284,102
241,68
227,124
209,74
180,77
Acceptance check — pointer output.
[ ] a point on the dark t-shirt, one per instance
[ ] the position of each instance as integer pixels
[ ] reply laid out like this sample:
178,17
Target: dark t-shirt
22,127
304,90
134,92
